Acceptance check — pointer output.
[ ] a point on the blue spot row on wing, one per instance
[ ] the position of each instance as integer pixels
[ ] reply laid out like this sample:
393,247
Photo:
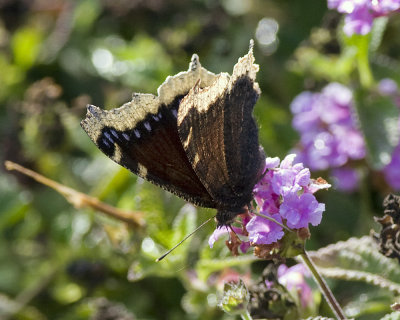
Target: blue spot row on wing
110,136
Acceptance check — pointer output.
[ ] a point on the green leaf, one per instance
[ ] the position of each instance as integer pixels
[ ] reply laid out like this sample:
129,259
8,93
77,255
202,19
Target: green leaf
86,13
358,259
378,117
11,75
145,266
141,63
321,66
185,222
376,278
26,45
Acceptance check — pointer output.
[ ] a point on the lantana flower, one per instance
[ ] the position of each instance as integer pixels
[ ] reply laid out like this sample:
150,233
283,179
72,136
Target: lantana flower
285,199
392,170
360,14
293,279
389,87
329,136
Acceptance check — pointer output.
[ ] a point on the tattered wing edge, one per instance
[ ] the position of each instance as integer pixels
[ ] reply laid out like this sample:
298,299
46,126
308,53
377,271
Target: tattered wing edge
128,115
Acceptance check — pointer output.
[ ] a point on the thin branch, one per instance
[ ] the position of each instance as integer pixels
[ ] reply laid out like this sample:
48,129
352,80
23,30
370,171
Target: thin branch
80,200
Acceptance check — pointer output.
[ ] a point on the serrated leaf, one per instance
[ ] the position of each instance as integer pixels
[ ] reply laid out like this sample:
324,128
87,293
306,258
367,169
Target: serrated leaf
358,259
368,305
378,118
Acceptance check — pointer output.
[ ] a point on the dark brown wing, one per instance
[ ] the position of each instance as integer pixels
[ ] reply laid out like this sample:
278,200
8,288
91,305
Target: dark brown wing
220,136
142,136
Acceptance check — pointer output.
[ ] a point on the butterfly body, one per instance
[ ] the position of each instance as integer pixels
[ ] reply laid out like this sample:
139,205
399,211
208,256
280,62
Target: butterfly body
196,139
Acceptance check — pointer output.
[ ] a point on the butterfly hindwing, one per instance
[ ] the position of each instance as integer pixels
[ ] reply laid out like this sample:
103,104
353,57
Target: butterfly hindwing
220,136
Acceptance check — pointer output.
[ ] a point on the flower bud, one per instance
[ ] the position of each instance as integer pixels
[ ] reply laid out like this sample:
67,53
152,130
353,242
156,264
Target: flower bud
235,298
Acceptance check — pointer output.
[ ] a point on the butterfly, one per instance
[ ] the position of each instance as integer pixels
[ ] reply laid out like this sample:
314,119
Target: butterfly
196,139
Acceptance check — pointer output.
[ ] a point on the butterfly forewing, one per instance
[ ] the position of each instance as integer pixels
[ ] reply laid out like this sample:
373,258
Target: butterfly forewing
142,136
220,136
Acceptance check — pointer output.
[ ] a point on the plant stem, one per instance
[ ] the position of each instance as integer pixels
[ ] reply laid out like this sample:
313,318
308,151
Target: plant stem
246,316
327,293
364,70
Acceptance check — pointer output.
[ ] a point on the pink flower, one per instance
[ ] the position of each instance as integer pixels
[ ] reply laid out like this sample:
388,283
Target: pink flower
293,279
300,210
264,231
392,170
361,13
347,179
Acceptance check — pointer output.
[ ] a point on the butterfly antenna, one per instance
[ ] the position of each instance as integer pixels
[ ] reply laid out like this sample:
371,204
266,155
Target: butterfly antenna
184,239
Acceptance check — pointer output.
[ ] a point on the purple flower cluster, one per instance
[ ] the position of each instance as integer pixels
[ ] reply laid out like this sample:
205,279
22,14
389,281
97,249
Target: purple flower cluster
329,135
361,13
392,170
293,279
345,178
388,87
285,195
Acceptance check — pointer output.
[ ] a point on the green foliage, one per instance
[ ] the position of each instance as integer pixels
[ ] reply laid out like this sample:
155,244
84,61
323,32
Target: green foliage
379,118
26,45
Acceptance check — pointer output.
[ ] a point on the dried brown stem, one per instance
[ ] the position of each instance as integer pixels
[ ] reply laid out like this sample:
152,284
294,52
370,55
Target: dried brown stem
80,200
327,293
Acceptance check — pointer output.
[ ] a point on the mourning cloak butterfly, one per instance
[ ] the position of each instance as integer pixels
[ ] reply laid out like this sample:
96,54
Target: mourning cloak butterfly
196,139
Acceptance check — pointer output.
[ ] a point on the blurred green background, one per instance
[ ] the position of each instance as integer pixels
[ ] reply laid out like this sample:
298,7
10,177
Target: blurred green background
56,262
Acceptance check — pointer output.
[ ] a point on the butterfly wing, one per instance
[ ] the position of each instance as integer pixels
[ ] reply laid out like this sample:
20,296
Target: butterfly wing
142,136
220,136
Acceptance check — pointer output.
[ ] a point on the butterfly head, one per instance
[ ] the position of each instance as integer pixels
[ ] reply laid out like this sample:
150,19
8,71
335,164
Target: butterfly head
226,217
